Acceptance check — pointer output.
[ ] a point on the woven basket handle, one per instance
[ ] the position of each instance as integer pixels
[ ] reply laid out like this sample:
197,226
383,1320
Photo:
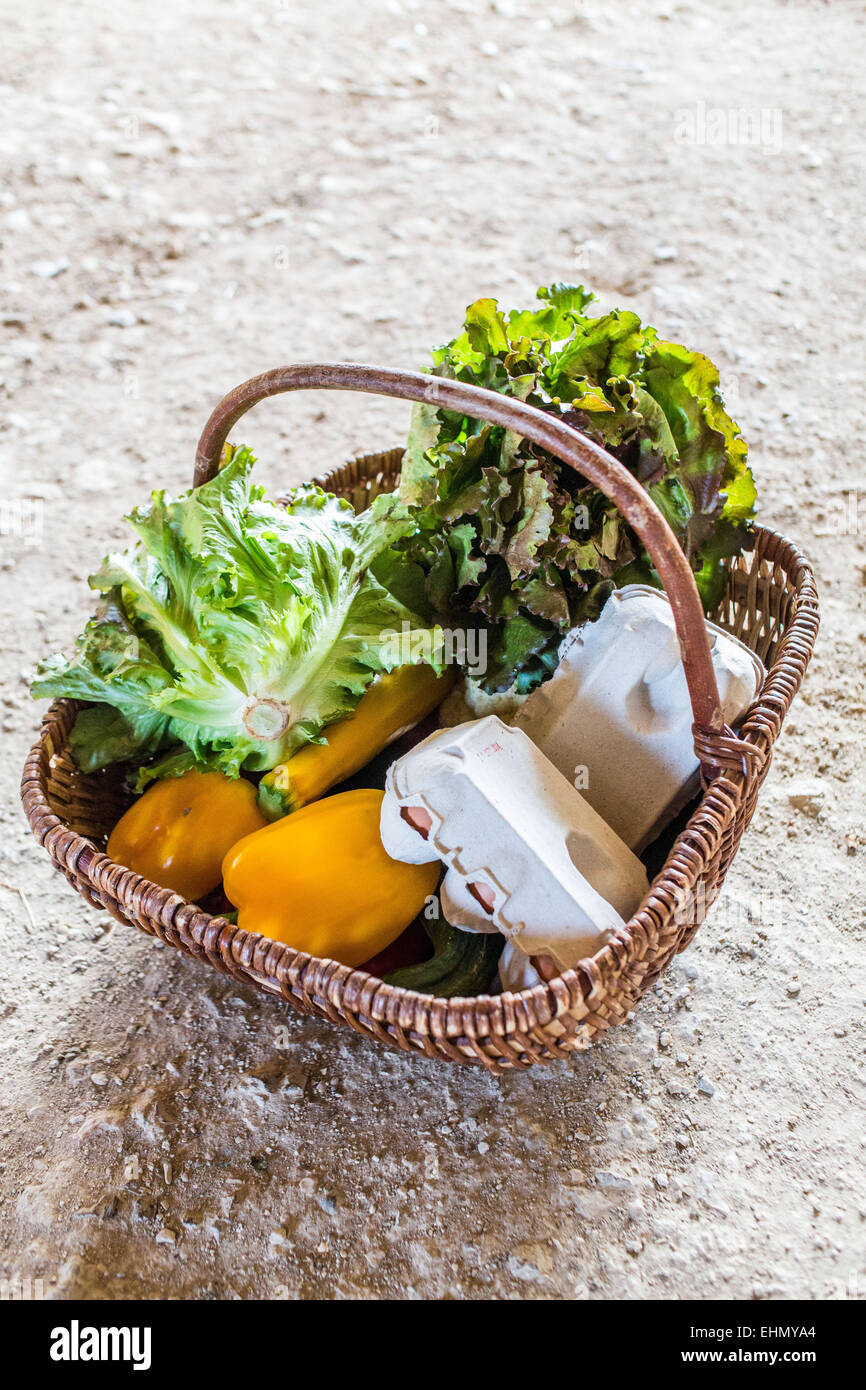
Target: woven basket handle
715,745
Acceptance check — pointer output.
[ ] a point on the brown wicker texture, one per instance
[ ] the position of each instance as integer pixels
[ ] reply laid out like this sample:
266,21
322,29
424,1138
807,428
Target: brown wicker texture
771,604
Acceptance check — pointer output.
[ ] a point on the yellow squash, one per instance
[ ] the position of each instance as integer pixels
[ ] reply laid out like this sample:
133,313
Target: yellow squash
321,881
391,704
178,832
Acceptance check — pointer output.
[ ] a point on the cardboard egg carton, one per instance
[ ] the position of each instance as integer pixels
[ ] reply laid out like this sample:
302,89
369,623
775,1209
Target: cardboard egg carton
525,854
615,717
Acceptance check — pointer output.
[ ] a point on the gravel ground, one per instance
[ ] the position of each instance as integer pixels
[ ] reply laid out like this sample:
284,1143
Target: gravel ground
198,192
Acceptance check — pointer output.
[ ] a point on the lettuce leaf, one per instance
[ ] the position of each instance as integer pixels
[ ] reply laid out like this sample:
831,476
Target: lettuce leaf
234,629
508,537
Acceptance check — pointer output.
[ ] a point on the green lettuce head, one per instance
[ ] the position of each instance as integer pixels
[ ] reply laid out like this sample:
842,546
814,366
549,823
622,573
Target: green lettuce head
510,539
234,629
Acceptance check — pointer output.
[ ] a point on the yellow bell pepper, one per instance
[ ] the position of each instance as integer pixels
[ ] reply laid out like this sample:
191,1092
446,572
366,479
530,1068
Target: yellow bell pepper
321,881
391,704
178,832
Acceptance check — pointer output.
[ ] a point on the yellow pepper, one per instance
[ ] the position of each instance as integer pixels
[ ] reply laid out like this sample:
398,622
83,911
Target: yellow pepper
321,881
391,704
178,832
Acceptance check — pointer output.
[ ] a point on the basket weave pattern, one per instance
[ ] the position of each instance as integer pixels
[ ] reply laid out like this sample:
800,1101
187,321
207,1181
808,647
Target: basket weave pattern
771,605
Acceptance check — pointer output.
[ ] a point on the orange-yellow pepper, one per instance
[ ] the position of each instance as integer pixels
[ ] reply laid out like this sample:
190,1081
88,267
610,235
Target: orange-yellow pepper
321,880
179,831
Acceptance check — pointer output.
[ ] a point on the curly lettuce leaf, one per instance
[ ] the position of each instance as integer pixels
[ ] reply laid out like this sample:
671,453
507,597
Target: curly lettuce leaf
539,547
234,627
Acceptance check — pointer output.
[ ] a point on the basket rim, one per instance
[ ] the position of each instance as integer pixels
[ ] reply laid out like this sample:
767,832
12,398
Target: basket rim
280,969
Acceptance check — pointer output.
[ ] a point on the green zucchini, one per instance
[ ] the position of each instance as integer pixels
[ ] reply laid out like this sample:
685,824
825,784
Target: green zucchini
463,963
476,970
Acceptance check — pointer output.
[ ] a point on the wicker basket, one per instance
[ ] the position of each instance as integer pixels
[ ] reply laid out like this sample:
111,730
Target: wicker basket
770,604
